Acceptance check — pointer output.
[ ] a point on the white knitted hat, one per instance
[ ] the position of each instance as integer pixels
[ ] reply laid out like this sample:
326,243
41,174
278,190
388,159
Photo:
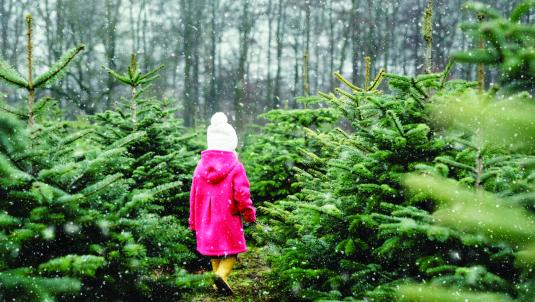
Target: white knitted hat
220,134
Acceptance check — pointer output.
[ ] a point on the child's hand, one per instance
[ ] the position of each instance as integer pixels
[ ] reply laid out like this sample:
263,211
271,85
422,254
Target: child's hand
248,224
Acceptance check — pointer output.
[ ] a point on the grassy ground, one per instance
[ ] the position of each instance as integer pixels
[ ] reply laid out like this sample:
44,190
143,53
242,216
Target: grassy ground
248,280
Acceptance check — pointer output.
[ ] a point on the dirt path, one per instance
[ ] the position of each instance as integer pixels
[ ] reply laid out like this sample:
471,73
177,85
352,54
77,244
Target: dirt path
248,280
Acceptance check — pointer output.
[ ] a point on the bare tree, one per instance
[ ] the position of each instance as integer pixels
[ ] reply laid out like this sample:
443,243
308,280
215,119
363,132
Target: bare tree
245,28
211,98
191,16
281,20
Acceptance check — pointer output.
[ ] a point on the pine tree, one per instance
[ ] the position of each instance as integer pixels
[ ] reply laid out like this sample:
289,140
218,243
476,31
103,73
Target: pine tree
54,228
18,278
96,211
508,43
500,214
55,72
163,155
351,231
271,154
497,134
76,212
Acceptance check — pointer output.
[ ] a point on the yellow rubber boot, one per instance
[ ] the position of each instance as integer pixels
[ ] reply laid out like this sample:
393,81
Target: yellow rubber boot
222,273
215,265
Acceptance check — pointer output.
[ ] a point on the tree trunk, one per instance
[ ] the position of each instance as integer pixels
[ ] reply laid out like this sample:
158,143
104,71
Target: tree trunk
144,31
6,16
297,57
132,31
416,42
355,40
306,87
372,48
189,103
331,47
211,99
281,18
110,41
60,28
404,50
388,35
268,67
3,24
241,81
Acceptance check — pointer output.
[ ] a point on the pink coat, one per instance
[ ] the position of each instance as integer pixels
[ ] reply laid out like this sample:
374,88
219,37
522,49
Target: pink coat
219,196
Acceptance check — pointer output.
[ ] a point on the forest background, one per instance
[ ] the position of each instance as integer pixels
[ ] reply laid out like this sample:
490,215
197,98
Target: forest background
243,57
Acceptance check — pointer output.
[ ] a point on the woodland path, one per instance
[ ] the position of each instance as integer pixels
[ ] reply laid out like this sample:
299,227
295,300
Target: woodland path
248,280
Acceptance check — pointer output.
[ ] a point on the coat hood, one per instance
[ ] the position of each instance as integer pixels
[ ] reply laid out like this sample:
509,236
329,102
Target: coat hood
215,165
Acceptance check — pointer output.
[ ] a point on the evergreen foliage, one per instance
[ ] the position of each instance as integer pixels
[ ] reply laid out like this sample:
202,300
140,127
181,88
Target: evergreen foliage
423,192
134,78
162,157
55,72
50,225
504,217
509,44
352,231
96,210
271,155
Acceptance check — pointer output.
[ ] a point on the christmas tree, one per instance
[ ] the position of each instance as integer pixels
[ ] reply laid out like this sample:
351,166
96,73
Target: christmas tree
506,42
352,230
271,154
96,208
502,212
55,72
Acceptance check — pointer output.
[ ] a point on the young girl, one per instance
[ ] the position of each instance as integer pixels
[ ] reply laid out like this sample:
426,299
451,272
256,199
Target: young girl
219,197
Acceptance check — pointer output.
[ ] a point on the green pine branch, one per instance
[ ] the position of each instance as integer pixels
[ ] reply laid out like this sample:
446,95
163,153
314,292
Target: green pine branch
11,76
134,78
56,71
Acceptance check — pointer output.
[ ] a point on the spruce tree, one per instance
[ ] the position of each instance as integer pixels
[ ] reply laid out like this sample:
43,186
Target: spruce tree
57,227
55,72
271,154
96,211
508,43
22,230
162,157
501,213
496,134
351,231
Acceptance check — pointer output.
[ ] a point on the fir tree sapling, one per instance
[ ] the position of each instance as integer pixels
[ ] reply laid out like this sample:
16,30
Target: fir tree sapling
55,72
271,154
508,43
163,156
46,227
497,134
505,217
96,214
135,80
351,204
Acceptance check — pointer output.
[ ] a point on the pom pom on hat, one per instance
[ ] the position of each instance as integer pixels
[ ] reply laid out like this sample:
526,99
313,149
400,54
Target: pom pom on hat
220,134
218,118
